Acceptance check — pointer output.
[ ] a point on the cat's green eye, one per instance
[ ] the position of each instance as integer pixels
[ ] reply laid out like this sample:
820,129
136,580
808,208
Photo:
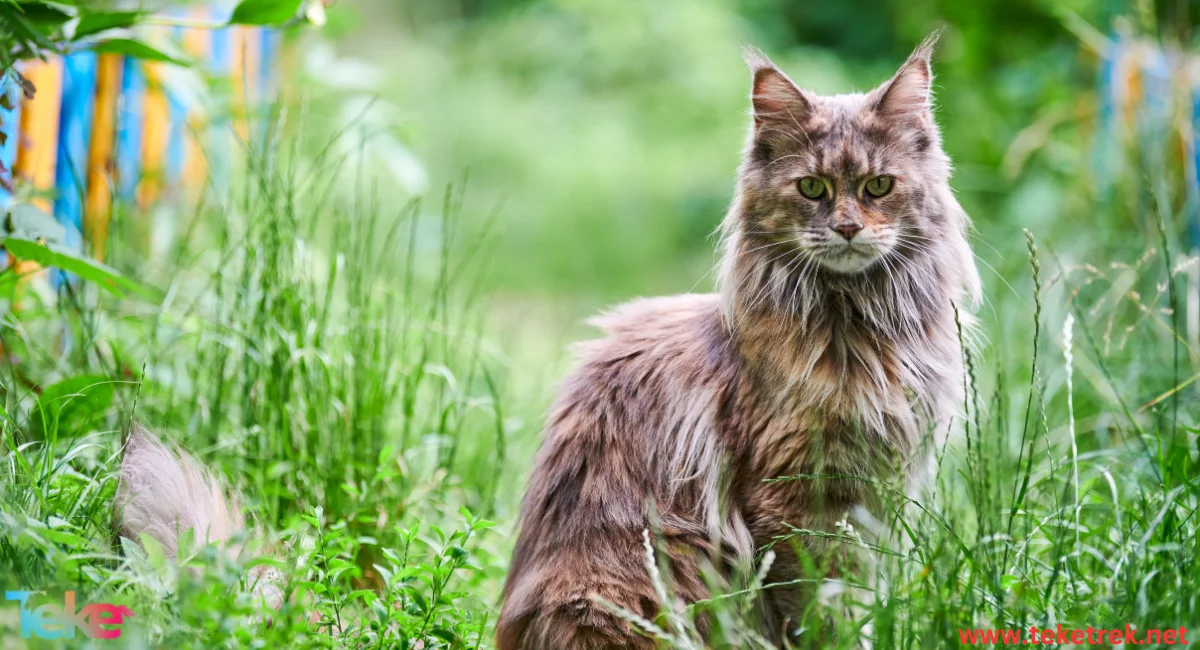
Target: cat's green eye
811,187
879,186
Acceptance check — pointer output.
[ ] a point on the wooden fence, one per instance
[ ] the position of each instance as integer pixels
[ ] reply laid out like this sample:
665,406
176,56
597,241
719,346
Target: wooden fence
105,126
1149,103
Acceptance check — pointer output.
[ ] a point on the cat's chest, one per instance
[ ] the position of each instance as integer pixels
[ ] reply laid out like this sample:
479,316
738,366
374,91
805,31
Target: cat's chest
836,414
809,469
837,402
830,422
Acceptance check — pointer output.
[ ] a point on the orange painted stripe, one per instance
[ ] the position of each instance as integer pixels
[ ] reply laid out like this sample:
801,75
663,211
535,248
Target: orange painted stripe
39,127
156,127
285,63
252,71
98,210
238,81
198,43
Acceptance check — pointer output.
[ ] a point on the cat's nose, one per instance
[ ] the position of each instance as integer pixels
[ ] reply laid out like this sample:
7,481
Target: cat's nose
848,230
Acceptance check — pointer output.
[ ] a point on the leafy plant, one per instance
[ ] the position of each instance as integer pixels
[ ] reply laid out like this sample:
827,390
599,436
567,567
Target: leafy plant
36,30
321,343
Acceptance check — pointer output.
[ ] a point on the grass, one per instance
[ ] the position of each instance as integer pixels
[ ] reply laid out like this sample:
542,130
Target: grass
332,357
325,356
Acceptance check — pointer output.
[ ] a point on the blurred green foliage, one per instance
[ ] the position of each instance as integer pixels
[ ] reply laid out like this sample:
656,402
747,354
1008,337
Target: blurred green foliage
368,371
611,129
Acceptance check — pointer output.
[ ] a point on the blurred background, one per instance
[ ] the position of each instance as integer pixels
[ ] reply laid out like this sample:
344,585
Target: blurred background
339,251
596,140
608,131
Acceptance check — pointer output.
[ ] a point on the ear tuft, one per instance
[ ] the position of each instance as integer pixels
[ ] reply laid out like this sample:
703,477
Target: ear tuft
773,95
924,51
909,94
755,59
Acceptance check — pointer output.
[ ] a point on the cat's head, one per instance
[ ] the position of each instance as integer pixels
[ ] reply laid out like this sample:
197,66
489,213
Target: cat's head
846,181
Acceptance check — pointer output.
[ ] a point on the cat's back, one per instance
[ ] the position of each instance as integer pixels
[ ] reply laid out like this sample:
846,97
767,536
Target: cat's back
632,430
638,420
685,328
658,356
638,396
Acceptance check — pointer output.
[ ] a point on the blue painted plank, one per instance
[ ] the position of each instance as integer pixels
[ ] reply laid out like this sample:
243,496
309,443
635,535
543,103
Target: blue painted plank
9,122
75,136
1194,181
129,130
267,77
1106,146
177,136
220,136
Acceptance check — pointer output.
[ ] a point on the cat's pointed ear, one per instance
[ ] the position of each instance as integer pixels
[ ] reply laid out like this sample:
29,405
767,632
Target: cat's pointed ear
774,97
909,94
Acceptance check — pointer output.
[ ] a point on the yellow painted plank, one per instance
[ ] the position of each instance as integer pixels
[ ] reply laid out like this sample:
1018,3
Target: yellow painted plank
39,127
252,70
246,53
237,82
98,210
156,128
197,43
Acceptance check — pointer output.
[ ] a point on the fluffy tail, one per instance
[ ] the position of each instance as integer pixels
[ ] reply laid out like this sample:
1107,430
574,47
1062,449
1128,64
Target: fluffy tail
164,492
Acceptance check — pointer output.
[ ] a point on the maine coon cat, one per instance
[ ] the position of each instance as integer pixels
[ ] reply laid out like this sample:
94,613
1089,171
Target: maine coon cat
832,348
831,352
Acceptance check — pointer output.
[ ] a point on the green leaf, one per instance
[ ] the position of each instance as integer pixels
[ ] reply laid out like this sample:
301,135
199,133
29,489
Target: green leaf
315,587
154,551
266,561
264,12
47,254
24,32
362,594
67,539
69,406
45,16
94,22
138,50
26,221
